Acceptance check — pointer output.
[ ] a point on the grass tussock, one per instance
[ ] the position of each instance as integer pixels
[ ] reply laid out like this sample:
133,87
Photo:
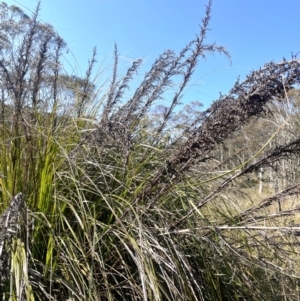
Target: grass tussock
116,204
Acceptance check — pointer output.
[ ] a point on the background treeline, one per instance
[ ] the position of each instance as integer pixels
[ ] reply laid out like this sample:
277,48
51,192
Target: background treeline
126,199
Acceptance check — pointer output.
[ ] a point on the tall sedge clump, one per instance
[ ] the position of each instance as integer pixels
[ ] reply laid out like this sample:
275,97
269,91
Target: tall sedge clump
26,62
120,207
33,124
158,227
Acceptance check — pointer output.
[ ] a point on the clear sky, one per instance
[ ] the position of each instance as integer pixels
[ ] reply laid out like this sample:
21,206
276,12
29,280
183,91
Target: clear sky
254,32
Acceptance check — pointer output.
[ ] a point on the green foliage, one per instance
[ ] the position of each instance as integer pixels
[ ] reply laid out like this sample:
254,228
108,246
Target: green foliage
129,200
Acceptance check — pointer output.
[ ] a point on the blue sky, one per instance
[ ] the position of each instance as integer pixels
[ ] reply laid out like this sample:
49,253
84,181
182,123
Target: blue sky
254,32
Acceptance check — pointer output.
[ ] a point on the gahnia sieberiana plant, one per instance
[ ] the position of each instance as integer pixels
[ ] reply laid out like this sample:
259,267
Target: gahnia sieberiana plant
108,195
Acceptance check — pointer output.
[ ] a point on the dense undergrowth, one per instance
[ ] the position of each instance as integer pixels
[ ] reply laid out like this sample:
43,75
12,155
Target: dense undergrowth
119,205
